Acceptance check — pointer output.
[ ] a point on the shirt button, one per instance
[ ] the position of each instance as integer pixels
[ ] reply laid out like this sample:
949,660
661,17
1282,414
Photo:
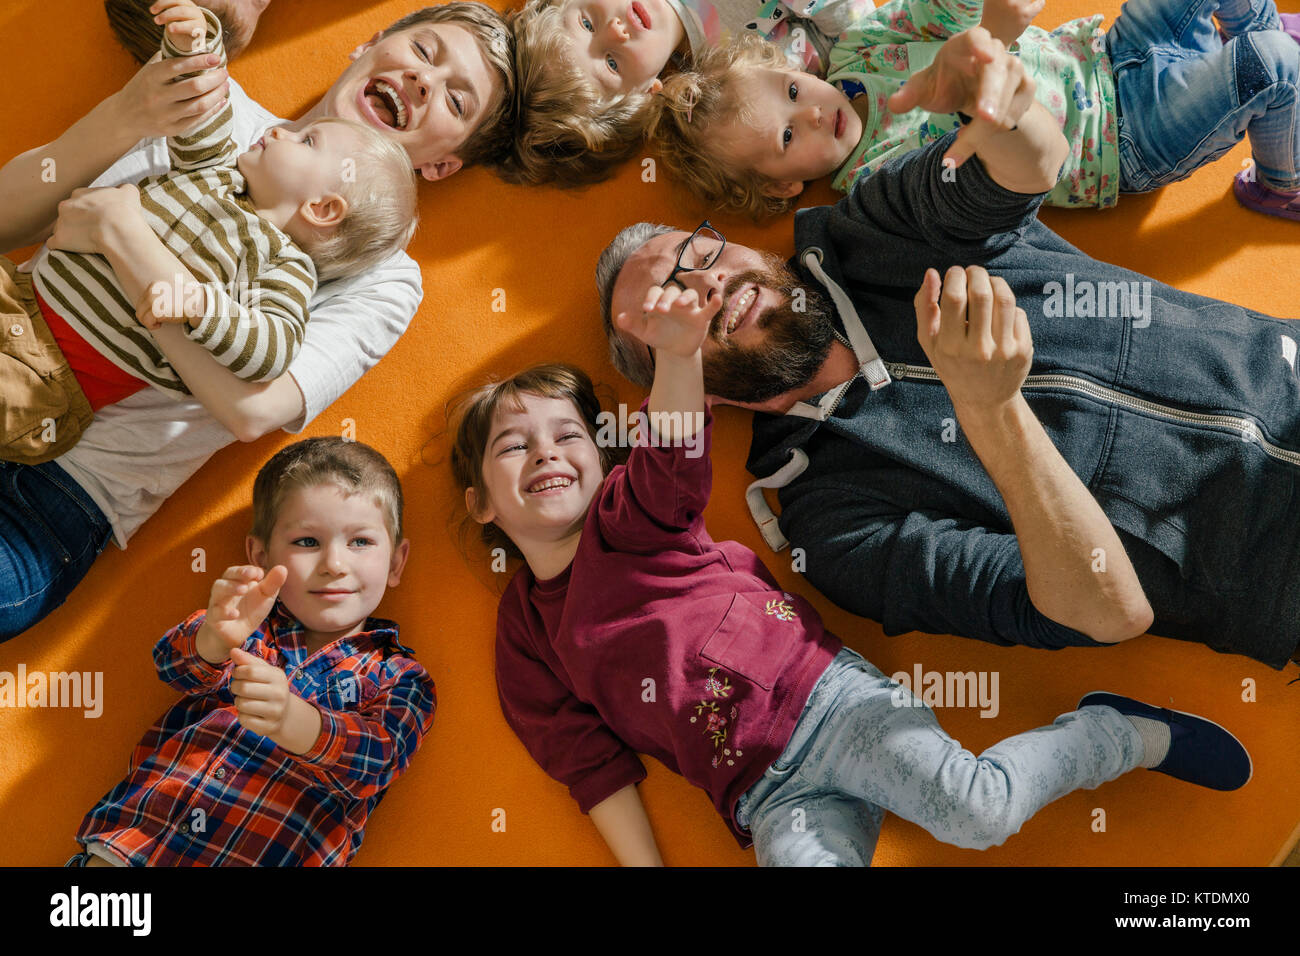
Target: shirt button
185,828
15,329
221,773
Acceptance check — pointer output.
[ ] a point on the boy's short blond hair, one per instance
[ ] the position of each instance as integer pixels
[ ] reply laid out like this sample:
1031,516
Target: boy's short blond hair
568,131
382,212
684,118
353,467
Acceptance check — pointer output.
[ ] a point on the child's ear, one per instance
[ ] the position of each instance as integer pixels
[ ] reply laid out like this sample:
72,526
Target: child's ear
255,548
471,505
440,169
324,213
366,46
400,554
783,189
655,86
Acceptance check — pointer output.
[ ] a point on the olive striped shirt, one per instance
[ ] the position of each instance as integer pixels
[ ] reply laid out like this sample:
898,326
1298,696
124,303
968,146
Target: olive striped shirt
256,283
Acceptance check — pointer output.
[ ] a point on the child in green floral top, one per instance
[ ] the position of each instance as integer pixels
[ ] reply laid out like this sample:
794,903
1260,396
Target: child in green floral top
1164,92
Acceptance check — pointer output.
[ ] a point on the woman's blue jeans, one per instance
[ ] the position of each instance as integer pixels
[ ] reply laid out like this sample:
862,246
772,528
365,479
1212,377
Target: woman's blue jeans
50,534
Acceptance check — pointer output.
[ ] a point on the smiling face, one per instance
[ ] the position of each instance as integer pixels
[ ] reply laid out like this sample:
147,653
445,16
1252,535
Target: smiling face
759,345
427,87
541,469
339,555
623,45
802,128
287,168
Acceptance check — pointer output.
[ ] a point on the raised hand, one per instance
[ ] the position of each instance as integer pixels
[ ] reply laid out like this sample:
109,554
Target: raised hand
1007,19
241,599
672,320
183,22
972,74
975,336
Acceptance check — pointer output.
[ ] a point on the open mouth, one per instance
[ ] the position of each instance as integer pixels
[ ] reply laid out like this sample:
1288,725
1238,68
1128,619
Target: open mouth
638,15
840,123
387,104
549,484
740,309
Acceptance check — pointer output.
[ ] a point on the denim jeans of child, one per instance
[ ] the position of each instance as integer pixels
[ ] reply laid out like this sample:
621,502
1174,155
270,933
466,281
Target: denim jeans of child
862,746
50,534
1186,97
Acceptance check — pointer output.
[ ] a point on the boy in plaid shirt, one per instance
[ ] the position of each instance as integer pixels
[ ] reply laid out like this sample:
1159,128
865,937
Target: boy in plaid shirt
298,712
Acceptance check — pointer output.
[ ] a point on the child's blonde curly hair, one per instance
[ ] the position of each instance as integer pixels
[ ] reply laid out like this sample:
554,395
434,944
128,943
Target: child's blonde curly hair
568,131
684,118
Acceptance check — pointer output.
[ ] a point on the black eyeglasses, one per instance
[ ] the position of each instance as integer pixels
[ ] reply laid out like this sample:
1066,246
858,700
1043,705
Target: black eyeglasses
705,244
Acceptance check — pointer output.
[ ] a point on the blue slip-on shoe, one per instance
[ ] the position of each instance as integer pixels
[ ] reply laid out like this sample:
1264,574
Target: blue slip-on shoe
1200,751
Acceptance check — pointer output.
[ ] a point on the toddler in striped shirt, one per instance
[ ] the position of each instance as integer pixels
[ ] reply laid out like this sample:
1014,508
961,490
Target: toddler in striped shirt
246,236
299,708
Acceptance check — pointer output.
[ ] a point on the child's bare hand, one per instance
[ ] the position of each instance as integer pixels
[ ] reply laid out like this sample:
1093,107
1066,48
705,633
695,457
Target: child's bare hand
241,599
171,303
261,691
672,320
1007,19
183,22
972,74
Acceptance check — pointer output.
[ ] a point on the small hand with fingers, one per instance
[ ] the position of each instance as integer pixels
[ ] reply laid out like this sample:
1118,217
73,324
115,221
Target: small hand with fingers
973,74
1007,19
240,601
261,691
672,320
184,24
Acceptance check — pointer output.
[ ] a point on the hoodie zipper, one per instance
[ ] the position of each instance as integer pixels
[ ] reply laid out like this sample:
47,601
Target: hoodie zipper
1243,426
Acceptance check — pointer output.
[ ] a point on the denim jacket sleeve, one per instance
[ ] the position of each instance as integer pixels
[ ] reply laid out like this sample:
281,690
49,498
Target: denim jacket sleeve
917,570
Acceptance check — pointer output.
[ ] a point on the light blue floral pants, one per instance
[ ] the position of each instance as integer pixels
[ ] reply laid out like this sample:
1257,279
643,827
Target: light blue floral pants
856,753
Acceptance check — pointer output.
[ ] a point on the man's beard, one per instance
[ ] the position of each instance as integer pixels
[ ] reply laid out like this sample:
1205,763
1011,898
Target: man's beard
794,346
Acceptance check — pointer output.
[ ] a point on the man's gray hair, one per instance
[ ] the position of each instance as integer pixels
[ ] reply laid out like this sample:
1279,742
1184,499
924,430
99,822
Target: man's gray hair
630,357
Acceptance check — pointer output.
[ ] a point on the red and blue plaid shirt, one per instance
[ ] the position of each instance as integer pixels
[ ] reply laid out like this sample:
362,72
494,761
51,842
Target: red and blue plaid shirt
203,790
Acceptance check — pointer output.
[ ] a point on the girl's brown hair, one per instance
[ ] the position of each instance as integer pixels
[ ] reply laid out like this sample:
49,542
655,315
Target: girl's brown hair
471,416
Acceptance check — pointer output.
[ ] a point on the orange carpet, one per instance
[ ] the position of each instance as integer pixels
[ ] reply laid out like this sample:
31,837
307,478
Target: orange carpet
538,248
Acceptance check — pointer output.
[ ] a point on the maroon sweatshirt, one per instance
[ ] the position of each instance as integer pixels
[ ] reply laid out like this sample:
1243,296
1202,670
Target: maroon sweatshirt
657,639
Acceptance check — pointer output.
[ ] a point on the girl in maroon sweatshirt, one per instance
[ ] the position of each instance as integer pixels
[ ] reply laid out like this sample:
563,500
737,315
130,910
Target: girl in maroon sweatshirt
631,630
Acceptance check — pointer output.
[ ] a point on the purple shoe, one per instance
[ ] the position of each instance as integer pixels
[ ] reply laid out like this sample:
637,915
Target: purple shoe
1251,194
1291,25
